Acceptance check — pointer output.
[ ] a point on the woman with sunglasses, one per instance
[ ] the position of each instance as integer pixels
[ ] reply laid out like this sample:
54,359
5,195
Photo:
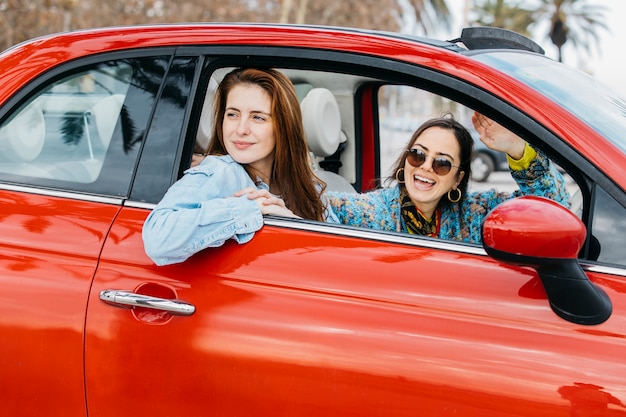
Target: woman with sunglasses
430,197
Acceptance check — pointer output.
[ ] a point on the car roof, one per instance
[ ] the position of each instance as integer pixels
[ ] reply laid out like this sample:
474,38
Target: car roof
46,52
81,42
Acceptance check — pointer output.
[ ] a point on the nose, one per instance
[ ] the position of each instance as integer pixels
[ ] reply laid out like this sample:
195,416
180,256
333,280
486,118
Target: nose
428,163
242,127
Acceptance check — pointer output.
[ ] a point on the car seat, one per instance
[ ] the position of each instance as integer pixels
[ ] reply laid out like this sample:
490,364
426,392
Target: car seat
321,118
21,142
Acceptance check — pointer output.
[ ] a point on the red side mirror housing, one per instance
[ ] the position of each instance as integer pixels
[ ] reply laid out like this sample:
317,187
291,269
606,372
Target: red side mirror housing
540,233
534,226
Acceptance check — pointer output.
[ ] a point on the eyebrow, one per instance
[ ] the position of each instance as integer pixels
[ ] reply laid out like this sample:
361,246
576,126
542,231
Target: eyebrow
261,112
438,154
252,112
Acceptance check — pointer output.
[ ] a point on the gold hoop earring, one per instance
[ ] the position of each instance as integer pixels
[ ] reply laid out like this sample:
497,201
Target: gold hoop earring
456,200
401,170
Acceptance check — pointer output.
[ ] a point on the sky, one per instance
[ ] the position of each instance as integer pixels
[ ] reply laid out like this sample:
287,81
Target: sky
606,62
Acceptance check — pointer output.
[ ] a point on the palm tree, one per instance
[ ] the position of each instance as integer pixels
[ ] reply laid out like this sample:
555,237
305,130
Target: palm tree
573,20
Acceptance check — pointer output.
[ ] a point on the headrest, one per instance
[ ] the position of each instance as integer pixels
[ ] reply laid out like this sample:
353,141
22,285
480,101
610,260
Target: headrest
106,112
22,139
322,121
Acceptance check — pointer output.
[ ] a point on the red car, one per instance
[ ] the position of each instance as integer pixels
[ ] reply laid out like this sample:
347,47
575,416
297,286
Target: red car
308,318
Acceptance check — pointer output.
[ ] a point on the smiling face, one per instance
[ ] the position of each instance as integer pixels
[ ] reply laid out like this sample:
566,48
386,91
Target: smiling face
424,186
248,130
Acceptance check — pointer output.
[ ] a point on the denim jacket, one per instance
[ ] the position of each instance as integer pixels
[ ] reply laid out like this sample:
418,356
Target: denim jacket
199,211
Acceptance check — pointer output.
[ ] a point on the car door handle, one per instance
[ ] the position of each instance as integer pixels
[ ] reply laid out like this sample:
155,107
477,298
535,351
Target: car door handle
122,298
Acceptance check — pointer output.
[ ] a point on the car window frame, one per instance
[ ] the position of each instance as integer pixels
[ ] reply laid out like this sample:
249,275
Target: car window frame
399,72
160,134
70,189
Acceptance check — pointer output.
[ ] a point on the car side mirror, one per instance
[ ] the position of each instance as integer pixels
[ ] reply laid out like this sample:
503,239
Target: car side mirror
540,233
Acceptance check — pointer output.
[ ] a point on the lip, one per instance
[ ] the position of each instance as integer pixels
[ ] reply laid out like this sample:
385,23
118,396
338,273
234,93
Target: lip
242,145
420,184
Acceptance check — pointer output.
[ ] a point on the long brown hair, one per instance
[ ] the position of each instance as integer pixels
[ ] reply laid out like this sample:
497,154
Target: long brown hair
291,174
466,144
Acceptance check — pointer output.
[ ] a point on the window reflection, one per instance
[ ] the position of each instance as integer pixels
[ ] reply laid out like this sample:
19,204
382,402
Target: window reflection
608,229
81,131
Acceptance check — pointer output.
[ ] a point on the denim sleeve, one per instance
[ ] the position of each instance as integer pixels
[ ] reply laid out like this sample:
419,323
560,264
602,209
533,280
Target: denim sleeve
196,213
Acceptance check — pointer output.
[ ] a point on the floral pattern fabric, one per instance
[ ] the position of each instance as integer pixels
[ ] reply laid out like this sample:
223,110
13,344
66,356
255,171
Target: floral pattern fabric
381,209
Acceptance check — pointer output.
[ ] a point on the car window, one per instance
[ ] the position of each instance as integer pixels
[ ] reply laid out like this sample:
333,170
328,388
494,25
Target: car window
608,228
591,101
404,108
81,131
64,132
178,126
155,171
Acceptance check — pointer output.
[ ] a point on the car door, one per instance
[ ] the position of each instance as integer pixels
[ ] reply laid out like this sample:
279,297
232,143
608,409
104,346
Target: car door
306,319
311,318
65,166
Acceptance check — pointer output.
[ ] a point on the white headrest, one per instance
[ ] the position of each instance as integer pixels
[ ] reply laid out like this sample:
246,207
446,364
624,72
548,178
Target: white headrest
22,139
322,121
106,112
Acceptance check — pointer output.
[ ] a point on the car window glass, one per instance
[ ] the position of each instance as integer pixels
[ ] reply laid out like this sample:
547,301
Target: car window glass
404,108
608,229
82,132
593,102
64,132
156,170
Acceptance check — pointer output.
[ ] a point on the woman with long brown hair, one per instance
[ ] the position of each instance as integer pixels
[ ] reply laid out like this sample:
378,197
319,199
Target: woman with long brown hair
257,152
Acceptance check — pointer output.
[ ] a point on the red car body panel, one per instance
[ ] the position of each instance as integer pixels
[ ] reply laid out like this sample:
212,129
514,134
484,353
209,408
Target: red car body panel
562,243
50,248
262,337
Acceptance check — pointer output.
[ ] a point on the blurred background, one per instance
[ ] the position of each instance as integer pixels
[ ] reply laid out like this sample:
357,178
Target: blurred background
581,33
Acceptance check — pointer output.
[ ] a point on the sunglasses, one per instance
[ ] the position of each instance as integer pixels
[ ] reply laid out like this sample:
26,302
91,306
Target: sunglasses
417,157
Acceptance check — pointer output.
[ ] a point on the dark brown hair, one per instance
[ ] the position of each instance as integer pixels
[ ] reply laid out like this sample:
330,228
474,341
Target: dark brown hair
292,174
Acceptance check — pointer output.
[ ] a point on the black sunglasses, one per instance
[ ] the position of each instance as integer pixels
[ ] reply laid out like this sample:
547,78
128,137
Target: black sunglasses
417,157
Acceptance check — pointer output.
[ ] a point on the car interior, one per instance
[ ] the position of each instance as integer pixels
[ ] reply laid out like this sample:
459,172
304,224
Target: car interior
330,117
326,101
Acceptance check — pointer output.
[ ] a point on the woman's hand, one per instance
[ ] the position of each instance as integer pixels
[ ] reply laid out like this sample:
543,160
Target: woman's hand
497,137
268,204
